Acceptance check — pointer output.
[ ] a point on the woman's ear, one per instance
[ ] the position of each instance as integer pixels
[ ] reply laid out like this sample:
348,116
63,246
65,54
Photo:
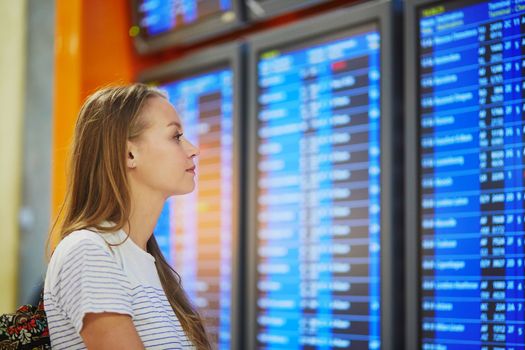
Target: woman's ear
131,152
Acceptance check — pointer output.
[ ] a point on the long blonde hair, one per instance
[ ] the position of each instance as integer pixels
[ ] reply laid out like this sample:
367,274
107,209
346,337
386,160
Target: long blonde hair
98,190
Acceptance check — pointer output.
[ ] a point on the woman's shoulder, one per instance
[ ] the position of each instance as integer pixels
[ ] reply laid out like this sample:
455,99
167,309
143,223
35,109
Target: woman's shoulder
79,243
84,238
78,247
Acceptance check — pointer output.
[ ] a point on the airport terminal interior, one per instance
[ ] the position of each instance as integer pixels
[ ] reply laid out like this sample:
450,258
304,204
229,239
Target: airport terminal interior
361,176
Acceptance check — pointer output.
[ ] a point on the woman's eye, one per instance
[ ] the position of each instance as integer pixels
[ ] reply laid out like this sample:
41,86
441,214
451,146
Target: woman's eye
178,136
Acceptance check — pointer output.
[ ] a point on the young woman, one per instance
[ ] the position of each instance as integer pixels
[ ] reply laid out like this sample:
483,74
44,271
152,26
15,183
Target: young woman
107,284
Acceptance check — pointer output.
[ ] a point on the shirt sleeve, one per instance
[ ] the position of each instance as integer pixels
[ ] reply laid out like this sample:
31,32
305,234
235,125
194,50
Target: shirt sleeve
90,280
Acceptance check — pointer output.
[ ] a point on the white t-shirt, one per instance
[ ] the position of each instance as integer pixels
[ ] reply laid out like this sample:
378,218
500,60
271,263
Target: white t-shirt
85,275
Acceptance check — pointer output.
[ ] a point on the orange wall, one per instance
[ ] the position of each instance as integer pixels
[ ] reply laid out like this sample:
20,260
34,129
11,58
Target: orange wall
66,91
92,49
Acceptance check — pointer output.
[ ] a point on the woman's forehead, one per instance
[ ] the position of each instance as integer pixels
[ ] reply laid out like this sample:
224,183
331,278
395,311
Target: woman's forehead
161,112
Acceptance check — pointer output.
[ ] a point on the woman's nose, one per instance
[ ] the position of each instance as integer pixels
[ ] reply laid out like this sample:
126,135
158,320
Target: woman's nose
194,151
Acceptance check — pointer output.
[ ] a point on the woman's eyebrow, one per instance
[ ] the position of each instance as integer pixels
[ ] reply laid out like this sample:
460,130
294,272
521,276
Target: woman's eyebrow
177,124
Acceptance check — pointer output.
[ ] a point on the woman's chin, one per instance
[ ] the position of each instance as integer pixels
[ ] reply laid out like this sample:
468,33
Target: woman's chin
183,191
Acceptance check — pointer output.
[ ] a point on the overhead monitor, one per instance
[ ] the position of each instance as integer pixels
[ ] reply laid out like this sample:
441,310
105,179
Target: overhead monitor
322,222
465,173
198,232
263,9
159,24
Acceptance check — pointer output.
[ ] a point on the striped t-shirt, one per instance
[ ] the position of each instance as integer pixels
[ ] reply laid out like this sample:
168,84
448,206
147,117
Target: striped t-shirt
85,275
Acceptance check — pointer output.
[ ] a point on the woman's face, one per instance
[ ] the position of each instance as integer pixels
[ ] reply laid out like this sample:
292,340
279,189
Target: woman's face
161,158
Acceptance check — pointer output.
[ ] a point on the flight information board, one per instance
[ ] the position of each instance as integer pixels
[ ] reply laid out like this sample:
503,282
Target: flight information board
158,17
471,170
318,192
195,231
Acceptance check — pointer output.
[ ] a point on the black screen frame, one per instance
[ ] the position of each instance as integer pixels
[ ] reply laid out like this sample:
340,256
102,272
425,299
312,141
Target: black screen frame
226,55
412,298
385,14
207,28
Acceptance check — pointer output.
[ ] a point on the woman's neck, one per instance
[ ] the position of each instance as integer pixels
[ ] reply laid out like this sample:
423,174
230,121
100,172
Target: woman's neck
145,211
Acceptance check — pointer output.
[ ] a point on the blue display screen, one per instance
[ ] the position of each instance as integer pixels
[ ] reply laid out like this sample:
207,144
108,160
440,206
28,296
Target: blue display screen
318,193
196,231
161,16
471,227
